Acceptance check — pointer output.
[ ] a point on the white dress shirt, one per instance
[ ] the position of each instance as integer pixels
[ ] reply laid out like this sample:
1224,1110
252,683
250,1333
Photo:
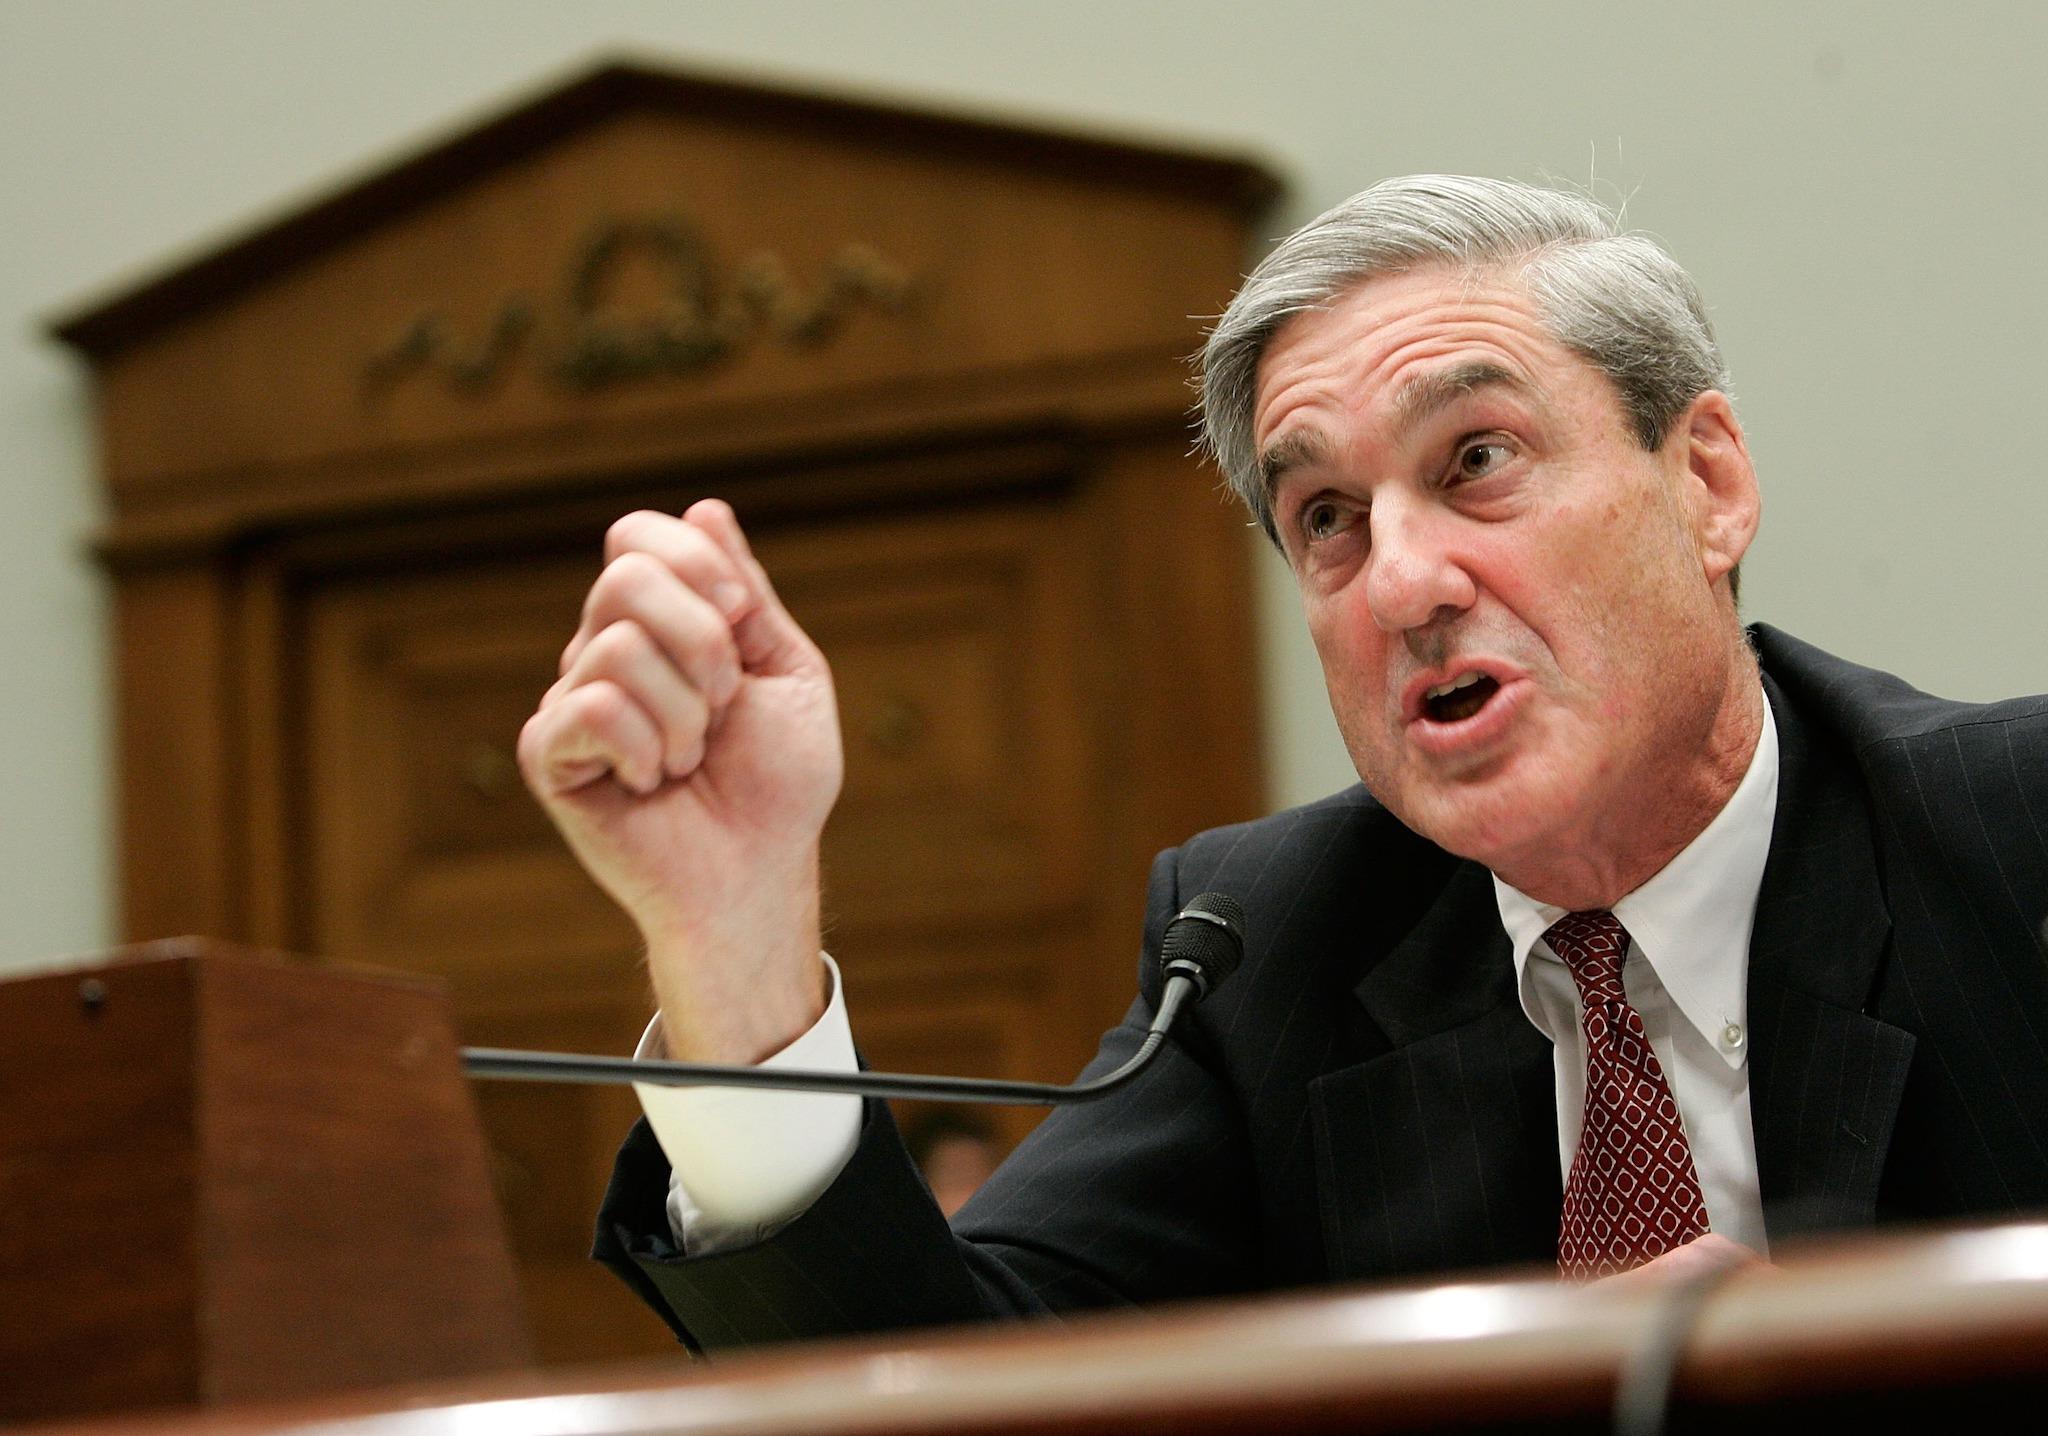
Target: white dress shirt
746,1163
756,1159
1687,974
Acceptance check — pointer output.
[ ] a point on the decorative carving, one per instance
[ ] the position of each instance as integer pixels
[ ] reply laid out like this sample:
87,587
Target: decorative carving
695,325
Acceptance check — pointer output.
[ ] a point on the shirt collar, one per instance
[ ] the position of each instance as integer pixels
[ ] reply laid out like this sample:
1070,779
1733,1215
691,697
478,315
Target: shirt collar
1692,920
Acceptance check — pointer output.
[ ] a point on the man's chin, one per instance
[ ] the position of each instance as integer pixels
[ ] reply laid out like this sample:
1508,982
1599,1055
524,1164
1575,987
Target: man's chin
1490,823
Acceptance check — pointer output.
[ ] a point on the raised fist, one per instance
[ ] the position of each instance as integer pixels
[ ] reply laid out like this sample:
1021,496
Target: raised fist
690,754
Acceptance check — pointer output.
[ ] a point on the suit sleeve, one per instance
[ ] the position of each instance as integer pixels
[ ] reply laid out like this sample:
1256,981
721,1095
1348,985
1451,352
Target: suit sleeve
1143,1196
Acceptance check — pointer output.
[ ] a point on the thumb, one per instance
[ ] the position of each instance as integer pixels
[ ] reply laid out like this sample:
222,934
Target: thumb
770,642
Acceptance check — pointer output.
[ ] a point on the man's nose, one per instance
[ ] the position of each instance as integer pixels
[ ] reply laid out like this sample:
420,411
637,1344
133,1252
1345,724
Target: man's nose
1413,573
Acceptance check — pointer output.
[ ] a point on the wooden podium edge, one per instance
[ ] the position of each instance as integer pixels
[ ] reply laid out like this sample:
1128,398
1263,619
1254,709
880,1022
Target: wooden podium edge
1942,1309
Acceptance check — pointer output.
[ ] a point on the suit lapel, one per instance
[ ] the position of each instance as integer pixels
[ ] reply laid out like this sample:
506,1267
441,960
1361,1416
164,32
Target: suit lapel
1441,1153
1825,1078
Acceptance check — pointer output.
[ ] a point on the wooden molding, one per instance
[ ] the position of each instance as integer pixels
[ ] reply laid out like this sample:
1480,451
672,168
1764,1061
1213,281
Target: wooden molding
1243,185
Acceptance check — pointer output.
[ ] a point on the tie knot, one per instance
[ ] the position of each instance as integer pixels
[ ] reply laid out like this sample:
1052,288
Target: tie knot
1592,945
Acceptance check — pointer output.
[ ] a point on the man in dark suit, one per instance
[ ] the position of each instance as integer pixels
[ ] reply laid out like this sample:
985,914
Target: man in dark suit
1630,951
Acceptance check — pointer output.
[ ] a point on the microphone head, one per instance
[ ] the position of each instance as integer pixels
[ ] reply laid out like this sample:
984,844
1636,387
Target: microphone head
1205,942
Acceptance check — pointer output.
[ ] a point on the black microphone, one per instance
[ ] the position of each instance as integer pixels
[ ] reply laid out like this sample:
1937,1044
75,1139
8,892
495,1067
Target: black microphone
1202,946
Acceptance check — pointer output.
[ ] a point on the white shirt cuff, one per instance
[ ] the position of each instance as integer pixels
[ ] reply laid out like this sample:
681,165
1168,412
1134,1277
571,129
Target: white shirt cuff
754,1159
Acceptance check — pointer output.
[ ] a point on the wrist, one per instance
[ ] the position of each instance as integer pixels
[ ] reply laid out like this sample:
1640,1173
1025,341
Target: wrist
740,984
743,1025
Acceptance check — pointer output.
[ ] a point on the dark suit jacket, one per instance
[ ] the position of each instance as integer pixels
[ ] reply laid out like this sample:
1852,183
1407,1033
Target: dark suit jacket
1366,1099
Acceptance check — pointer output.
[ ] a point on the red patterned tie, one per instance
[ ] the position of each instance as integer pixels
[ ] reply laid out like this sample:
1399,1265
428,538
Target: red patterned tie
1632,1193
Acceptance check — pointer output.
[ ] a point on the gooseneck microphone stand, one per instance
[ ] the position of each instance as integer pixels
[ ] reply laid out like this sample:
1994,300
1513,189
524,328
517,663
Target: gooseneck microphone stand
1202,946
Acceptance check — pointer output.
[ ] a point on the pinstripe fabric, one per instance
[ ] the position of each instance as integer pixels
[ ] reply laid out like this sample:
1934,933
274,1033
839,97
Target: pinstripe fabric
1365,1098
1898,993
1486,1190
1428,1151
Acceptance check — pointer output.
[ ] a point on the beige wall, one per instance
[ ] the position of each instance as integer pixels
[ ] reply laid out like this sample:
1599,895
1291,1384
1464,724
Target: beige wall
1858,187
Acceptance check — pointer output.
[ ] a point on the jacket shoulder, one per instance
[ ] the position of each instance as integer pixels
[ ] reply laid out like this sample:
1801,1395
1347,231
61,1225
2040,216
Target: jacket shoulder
1866,707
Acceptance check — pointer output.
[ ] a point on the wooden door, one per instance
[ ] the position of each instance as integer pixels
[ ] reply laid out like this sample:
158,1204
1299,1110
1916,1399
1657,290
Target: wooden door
964,861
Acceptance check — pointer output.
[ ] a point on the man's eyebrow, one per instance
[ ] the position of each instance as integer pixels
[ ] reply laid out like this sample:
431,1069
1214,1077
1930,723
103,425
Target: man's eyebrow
1426,395
1295,451
1416,401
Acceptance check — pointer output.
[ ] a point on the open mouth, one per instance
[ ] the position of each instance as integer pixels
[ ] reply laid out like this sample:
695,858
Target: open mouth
1459,699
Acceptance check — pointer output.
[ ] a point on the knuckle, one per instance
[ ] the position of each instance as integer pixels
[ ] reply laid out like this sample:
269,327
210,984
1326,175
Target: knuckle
626,580
695,558
630,530
616,644
595,706
696,713
711,645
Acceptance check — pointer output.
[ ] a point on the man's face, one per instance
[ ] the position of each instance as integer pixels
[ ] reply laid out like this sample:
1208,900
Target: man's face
1514,602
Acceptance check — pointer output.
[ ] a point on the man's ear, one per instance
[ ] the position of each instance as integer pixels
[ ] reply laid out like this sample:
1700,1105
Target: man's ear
1719,482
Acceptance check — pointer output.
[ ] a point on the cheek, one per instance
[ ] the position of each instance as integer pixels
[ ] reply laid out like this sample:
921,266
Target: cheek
1353,657
1347,641
1587,579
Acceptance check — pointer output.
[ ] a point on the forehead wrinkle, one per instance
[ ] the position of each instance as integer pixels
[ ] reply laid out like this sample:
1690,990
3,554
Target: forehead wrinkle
1414,401
1426,395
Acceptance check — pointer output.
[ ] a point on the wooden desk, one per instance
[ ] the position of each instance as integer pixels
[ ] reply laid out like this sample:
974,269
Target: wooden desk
1941,1325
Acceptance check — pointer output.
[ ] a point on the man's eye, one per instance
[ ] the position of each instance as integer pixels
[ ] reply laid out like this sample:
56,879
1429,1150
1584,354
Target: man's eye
1321,519
1476,461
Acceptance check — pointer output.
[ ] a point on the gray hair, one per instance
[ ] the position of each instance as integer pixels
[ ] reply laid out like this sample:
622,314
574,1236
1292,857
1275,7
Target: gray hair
1614,298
